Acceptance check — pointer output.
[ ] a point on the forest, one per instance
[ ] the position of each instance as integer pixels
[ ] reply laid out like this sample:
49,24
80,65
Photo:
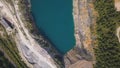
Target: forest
108,47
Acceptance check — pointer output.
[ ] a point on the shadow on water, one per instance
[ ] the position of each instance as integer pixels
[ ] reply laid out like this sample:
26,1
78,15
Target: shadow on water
38,31
41,32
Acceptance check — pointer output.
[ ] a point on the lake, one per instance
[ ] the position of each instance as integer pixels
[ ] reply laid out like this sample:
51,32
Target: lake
54,18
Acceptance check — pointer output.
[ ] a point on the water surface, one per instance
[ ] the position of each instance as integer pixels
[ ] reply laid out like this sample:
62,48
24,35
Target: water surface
54,17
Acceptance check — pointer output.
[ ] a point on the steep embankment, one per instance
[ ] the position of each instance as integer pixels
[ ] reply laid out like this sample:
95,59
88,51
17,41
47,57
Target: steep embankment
81,55
30,50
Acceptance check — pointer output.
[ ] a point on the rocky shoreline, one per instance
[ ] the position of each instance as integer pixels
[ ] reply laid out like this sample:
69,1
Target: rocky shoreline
41,39
34,49
32,44
83,50
82,54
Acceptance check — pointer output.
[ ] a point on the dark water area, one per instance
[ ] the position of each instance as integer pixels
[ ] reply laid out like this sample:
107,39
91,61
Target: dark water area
54,19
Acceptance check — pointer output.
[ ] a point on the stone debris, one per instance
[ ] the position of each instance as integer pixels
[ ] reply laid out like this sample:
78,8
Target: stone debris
82,52
31,52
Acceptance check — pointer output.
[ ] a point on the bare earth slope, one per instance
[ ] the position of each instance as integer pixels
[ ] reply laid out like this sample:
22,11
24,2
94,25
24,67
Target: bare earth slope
81,56
30,50
117,5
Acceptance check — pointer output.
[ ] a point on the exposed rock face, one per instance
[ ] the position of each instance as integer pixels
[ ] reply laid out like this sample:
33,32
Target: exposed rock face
117,5
30,49
81,55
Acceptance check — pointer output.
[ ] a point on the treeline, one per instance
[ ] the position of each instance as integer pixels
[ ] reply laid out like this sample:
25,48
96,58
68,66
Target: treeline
108,50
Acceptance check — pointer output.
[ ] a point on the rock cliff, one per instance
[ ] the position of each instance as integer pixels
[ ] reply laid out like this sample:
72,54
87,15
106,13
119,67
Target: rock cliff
34,50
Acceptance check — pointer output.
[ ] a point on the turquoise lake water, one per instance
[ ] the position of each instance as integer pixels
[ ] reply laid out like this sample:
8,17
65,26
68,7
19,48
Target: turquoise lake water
54,17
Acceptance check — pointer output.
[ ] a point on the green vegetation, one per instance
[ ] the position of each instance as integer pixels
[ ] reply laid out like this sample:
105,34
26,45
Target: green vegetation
9,1
108,50
4,62
8,45
25,9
